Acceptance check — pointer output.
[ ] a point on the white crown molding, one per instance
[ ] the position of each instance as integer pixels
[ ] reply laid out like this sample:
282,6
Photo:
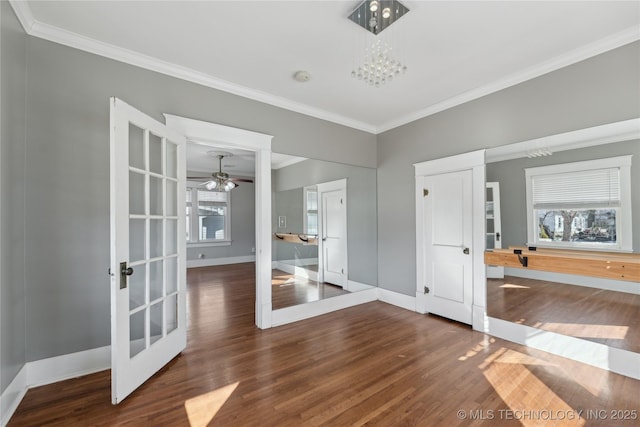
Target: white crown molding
51,33
606,44
58,35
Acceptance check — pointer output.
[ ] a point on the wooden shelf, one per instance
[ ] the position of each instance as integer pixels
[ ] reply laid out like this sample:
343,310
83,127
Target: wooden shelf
301,239
618,266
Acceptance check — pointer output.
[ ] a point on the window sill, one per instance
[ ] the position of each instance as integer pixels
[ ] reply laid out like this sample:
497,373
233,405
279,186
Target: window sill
592,248
208,244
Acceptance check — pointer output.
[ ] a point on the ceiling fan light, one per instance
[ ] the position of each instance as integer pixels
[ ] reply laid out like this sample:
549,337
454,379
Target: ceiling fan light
211,185
229,185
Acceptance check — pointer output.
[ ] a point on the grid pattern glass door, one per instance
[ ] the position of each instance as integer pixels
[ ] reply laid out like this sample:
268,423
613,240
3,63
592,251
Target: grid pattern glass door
153,238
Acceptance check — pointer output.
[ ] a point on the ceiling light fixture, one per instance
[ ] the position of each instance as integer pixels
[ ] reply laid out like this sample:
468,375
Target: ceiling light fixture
378,67
367,14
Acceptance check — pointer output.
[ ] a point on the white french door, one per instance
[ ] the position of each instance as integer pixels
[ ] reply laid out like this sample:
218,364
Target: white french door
148,280
448,264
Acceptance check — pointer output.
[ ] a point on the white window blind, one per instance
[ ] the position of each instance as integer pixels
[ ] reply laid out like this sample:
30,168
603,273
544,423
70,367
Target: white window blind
593,188
212,198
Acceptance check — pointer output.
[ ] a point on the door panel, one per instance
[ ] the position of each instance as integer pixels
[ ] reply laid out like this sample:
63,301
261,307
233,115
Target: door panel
447,242
333,230
148,302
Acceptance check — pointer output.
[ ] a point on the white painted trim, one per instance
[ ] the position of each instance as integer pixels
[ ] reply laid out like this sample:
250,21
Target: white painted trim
51,370
625,130
450,164
58,35
299,261
317,308
395,298
580,54
474,161
208,262
353,286
589,282
55,34
73,365
592,353
216,135
13,395
625,229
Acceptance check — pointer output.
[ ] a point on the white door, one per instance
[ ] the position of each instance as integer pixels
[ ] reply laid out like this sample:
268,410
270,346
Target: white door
333,230
148,301
447,229
493,226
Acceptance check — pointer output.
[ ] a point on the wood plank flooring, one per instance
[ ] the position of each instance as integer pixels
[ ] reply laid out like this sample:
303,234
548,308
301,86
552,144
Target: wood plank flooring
373,364
288,290
607,317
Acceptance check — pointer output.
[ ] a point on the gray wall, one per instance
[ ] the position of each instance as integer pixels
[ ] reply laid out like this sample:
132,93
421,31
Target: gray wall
68,149
361,208
243,227
12,142
599,90
510,175
289,203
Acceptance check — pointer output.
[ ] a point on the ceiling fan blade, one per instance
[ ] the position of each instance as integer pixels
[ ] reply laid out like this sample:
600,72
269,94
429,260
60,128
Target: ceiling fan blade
196,178
240,180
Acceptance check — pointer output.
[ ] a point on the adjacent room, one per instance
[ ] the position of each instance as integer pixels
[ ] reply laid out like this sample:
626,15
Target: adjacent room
305,213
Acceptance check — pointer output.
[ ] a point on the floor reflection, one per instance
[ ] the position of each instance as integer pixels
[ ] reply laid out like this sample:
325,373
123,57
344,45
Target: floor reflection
288,290
607,317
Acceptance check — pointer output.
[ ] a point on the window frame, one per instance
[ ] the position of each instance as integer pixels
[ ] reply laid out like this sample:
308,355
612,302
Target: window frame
193,220
305,210
624,232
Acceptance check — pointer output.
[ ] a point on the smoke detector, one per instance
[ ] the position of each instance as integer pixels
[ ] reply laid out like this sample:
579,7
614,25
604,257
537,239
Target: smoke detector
302,76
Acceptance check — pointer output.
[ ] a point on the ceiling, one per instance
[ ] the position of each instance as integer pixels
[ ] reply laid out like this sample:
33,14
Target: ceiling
455,51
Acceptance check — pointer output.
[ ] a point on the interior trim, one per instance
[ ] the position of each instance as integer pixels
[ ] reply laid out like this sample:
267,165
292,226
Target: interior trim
48,32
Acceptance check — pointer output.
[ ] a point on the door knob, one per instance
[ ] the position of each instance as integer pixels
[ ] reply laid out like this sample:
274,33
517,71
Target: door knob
124,272
465,251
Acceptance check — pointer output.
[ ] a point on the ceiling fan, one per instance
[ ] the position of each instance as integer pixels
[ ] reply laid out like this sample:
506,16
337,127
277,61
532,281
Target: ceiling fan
219,181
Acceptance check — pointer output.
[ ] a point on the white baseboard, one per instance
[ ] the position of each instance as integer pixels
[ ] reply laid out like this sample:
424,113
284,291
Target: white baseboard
590,282
51,370
316,308
353,286
592,353
401,300
60,368
12,396
208,262
295,270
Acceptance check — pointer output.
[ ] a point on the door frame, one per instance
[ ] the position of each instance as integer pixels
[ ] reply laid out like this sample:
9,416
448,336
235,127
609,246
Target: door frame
325,187
474,161
221,136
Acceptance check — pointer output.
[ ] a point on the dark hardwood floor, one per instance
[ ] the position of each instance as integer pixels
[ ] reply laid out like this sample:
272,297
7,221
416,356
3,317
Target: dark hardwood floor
373,364
288,290
607,317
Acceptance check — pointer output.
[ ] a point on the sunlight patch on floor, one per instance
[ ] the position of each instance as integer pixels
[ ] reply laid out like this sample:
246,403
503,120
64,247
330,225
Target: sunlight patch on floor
477,348
524,393
513,286
201,409
614,332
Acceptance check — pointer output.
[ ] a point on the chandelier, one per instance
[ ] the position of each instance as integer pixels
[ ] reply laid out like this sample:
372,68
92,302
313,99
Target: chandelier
378,67
377,15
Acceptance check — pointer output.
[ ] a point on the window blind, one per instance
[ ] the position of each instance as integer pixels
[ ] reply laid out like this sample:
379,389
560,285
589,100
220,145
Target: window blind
593,188
212,198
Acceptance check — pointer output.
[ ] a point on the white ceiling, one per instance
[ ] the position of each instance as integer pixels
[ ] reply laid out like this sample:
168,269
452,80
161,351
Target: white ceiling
455,51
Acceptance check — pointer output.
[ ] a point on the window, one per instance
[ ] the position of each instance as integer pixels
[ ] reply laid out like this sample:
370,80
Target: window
580,205
209,223
310,203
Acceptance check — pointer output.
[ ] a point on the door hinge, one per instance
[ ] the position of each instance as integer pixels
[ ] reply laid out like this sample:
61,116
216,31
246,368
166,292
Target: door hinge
341,202
342,270
425,192
426,290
